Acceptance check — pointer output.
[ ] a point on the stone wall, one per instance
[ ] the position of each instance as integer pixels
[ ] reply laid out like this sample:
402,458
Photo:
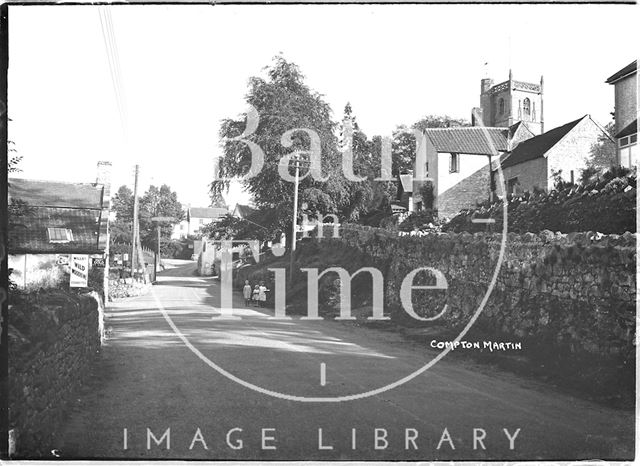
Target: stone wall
573,292
54,337
466,194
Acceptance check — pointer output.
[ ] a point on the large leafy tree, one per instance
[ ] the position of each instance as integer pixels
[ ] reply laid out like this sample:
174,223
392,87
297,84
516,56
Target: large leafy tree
283,102
158,202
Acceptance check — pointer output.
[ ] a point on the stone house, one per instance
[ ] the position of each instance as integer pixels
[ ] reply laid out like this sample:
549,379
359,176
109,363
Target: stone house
562,151
59,219
460,163
625,82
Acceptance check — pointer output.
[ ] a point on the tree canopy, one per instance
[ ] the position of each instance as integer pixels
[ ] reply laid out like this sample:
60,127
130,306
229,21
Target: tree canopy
156,202
284,102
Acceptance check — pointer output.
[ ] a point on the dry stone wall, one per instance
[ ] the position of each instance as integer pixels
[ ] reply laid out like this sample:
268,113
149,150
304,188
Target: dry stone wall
573,292
54,337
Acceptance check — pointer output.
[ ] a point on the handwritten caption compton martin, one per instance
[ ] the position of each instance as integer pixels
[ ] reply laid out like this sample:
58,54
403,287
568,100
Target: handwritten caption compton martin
477,345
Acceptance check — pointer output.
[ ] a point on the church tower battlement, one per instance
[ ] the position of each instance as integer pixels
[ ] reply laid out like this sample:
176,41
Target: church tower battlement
509,102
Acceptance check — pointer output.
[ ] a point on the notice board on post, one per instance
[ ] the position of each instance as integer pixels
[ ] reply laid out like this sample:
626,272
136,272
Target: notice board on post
79,270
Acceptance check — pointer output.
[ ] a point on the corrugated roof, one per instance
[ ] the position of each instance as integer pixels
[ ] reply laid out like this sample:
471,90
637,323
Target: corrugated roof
56,193
207,212
539,145
469,139
28,233
631,67
631,128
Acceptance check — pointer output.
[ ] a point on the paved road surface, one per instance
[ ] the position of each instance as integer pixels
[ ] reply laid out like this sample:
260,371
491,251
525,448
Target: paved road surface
148,380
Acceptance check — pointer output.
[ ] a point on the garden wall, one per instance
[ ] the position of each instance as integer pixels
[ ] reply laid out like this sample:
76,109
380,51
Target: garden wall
54,337
575,292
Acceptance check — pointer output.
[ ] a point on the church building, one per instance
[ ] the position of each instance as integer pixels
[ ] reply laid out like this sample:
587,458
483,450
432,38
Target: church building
511,101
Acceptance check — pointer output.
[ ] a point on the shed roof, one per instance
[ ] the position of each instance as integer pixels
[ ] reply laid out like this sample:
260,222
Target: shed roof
618,75
631,128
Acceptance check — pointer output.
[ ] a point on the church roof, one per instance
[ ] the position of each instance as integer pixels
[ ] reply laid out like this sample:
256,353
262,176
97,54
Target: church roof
539,145
617,76
469,139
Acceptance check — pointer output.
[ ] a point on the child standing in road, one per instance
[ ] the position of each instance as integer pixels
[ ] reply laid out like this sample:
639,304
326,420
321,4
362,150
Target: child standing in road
256,293
262,294
246,292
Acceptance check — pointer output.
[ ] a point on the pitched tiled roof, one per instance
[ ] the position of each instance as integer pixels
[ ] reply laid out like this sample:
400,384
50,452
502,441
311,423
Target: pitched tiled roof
631,128
539,145
207,212
243,211
631,67
28,233
56,194
469,139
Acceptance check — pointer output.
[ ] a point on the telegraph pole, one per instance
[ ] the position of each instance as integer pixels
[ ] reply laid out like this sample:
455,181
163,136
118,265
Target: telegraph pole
134,242
295,217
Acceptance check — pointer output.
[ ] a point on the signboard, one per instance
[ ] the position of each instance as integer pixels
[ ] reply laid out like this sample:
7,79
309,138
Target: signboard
98,262
79,270
62,259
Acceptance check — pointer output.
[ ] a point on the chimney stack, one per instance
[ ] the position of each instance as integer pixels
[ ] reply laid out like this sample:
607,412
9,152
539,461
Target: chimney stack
104,178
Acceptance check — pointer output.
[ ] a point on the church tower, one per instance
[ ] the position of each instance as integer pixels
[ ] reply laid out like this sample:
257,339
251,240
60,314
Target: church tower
510,102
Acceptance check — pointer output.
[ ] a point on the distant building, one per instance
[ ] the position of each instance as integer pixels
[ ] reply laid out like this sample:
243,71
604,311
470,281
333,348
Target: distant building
625,82
509,102
196,218
562,151
58,219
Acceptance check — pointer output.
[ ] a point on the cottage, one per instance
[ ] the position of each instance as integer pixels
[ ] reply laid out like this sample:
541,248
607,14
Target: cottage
460,162
52,220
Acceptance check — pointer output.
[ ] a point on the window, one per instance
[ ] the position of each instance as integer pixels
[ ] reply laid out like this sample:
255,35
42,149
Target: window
454,163
628,140
501,106
201,221
526,107
59,235
512,185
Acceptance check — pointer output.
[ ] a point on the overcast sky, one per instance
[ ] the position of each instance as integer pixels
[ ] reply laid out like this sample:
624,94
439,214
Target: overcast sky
184,68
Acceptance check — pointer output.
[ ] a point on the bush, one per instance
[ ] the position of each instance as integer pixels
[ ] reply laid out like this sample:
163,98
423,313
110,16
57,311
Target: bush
605,203
422,220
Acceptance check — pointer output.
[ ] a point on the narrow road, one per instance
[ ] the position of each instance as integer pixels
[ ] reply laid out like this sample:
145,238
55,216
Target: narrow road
158,372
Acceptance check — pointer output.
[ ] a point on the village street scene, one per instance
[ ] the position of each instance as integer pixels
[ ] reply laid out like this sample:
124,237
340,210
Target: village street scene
367,244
